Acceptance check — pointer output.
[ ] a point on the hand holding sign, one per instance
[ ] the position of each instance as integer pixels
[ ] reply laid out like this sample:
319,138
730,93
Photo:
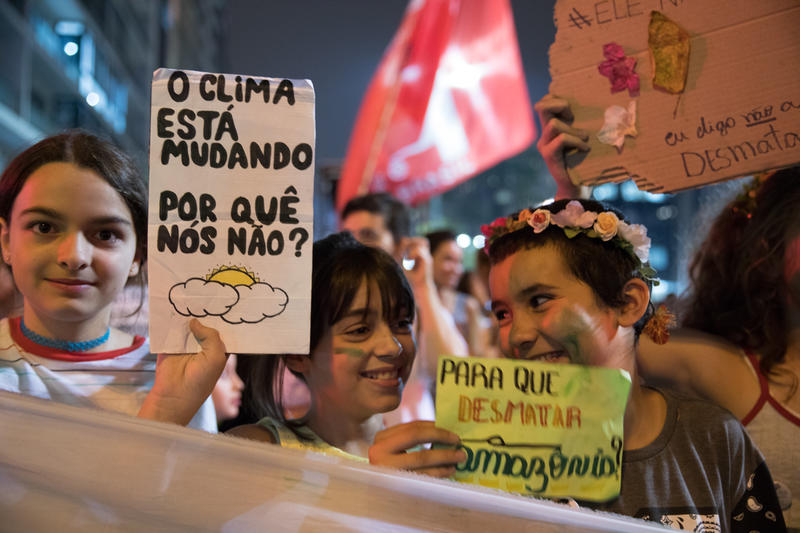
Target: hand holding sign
390,445
558,137
184,381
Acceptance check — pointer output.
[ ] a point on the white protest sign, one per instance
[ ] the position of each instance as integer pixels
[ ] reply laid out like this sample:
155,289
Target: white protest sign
231,210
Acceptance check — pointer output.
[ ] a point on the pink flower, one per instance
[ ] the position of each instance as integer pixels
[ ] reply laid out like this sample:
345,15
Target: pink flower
636,234
539,220
573,215
619,69
488,230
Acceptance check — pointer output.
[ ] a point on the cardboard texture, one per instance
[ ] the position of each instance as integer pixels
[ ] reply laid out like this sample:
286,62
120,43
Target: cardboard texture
739,113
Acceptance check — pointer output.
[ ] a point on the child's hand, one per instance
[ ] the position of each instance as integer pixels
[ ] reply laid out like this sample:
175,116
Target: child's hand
184,381
557,137
389,449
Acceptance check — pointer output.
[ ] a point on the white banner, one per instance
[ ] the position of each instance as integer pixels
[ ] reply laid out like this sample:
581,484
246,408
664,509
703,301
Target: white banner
65,468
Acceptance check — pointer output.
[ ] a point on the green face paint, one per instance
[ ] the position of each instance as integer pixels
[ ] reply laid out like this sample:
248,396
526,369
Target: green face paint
575,333
352,352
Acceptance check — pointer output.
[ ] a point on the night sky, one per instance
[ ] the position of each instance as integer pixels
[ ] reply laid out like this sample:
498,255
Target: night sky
338,44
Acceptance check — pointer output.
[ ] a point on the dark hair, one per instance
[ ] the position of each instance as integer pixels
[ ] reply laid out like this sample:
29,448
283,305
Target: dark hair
394,213
603,266
90,152
437,238
737,286
340,265
86,151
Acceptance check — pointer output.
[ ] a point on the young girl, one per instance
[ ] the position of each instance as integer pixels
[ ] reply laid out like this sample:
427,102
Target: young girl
742,350
73,229
570,283
362,350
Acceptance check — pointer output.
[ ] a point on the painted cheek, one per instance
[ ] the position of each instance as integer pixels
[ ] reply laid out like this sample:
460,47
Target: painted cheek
352,352
569,327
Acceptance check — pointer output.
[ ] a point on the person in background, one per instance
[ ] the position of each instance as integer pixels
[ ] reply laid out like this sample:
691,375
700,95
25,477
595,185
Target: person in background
474,326
227,394
379,220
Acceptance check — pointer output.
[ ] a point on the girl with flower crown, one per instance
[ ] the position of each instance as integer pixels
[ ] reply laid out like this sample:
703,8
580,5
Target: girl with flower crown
739,342
73,229
570,283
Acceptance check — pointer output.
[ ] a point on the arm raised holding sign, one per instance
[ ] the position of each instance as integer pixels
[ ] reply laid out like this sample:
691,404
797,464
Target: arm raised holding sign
558,137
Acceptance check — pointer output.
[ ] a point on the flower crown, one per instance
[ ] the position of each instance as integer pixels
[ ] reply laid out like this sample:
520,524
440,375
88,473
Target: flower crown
745,202
575,220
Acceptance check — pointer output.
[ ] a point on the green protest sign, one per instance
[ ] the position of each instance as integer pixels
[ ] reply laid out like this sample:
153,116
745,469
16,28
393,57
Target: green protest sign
548,430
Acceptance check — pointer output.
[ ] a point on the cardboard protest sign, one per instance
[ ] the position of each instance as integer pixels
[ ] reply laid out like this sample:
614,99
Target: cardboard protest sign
231,210
542,429
724,102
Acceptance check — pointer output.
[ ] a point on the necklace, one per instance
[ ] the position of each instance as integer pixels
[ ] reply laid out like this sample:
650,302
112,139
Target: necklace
65,346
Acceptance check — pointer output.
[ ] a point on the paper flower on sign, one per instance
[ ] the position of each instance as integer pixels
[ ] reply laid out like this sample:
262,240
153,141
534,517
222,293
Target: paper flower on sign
619,122
619,69
669,50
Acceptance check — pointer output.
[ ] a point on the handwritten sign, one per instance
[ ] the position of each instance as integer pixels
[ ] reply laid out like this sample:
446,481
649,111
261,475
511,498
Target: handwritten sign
231,210
738,114
542,429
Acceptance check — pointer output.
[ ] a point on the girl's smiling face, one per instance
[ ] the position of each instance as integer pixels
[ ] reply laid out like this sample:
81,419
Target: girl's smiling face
362,362
71,244
545,313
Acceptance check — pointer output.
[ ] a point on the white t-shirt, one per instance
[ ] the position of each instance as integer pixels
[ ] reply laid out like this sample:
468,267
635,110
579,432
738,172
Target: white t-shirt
117,380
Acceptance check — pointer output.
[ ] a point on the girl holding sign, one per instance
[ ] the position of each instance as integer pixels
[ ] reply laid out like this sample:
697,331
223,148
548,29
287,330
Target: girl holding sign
73,230
570,283
362,350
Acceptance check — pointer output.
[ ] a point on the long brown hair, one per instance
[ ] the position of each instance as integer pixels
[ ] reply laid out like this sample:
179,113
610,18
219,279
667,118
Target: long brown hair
737,288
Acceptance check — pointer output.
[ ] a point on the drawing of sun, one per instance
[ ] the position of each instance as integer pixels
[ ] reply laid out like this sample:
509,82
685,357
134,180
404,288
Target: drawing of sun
232,275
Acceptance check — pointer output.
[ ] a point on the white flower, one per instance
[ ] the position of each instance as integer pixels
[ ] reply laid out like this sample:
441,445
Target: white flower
619,122
636,234
539,220
573,215
606,225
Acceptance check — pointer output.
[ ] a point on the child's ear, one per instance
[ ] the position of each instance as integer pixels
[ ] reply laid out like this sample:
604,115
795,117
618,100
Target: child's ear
135,266
297,363
4,241
637,297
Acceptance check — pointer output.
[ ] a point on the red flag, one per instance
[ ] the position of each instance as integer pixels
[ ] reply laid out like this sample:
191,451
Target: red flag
448,101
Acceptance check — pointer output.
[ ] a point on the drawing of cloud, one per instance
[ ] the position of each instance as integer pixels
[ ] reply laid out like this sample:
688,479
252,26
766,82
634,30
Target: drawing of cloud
198,297
256,302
